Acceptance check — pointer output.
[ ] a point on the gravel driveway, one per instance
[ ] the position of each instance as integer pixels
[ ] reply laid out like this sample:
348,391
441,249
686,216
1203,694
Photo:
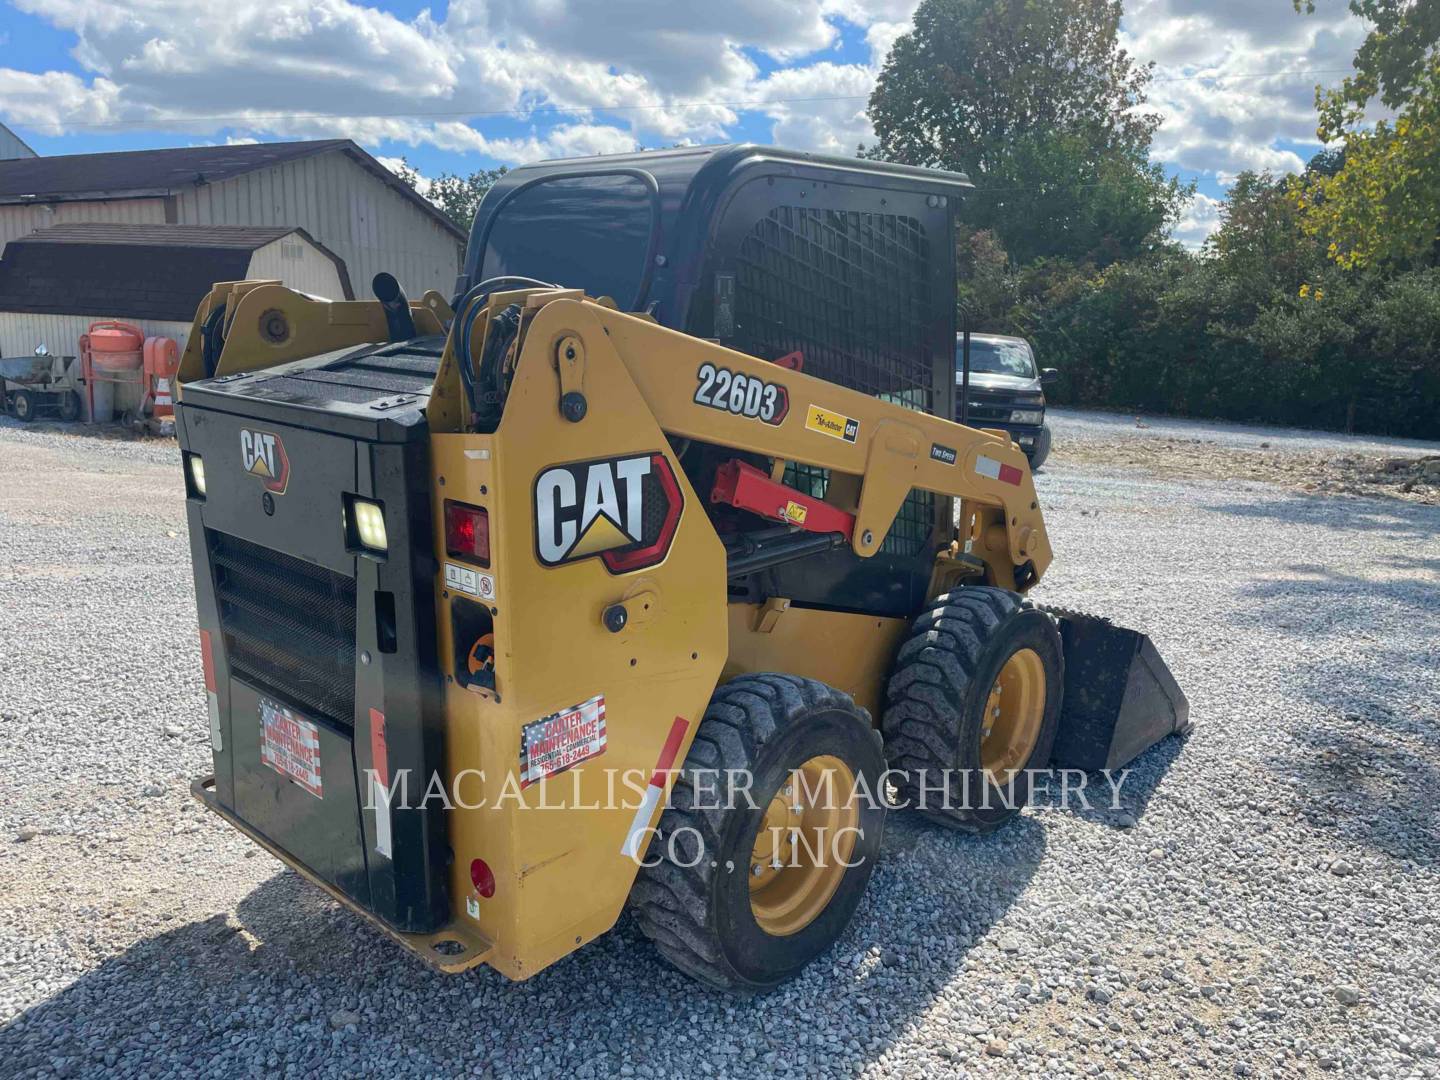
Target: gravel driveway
1266,903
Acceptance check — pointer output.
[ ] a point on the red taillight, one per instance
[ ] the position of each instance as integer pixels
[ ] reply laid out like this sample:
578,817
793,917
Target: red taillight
207,661
467,532
482,878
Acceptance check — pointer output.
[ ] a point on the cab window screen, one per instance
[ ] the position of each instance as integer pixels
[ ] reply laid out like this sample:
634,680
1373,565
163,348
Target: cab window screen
850,291
580,232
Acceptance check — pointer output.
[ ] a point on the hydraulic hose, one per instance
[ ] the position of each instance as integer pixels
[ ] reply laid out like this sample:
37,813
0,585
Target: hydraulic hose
212,340
467,310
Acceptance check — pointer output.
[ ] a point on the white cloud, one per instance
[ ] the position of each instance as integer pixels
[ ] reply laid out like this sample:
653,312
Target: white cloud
820,107
1199,220
1234,78
673,72
42,100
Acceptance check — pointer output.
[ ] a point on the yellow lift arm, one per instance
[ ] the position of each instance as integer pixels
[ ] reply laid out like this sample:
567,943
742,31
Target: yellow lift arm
697,389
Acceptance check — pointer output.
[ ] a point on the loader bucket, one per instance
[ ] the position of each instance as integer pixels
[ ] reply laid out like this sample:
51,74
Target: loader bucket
1120,698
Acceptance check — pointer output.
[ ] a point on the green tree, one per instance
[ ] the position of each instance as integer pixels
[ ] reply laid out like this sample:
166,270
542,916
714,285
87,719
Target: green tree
1260,236
1395,62
1036,100
1382,206
985,293
457,197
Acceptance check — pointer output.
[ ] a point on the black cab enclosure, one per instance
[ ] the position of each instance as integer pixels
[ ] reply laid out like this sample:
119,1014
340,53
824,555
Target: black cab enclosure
842,267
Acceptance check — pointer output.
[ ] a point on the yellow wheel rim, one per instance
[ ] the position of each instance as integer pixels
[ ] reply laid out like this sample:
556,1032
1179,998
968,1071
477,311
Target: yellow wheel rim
804,841
1013,714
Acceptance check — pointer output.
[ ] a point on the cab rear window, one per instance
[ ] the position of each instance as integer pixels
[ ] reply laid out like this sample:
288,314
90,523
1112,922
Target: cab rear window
589,232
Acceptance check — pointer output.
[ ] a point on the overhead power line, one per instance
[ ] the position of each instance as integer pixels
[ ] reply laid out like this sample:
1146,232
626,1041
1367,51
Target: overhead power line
521,112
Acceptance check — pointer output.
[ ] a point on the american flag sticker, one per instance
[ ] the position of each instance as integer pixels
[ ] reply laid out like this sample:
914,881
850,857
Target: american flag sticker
562,740
290,746
994,470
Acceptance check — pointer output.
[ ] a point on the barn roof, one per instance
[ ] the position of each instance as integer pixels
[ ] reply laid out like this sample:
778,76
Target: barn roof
242,237
130,174
131,271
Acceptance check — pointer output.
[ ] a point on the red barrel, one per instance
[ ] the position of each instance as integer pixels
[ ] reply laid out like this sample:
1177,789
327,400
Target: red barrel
114,346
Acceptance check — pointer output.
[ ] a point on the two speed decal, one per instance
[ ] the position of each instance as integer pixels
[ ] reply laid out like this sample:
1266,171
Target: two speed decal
740,394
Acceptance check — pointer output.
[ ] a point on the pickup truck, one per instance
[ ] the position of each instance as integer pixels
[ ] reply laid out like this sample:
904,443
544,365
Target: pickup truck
1006,391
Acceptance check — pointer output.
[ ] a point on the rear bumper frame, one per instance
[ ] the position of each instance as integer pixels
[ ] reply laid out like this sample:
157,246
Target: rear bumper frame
453,948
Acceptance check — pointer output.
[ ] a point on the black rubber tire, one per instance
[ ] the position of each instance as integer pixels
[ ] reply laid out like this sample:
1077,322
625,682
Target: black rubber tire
936,697
699,917
69,405
24,406
1042,449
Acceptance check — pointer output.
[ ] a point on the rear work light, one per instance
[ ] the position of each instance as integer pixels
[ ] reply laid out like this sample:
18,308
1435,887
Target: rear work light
467,532
196,466
365,524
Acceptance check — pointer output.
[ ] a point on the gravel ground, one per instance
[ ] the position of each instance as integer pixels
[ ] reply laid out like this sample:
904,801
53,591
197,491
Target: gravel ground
1265,903
1315,462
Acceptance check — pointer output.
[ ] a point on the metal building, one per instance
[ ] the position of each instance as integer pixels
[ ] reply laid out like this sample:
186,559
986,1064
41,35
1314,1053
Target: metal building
335,191
12,146
56,282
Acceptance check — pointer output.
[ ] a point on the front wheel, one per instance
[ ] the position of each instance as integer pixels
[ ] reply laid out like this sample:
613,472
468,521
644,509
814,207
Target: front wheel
772,832
1042,449
24,405
972,706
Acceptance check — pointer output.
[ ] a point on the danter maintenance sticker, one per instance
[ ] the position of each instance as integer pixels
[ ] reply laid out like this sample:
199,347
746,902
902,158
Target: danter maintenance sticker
834,424
290,745
562,740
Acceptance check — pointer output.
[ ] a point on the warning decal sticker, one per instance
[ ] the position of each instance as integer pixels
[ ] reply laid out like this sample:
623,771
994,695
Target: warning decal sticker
290,746
471,582
991,469
562,740
834,424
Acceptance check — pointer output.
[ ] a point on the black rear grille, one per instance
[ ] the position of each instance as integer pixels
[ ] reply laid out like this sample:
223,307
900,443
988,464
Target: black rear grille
289,626
362,375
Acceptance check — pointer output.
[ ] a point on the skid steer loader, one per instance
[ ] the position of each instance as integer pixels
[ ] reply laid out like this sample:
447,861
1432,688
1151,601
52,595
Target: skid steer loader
644,568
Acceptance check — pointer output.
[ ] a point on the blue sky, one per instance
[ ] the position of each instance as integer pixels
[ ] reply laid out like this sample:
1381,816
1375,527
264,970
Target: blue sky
477,83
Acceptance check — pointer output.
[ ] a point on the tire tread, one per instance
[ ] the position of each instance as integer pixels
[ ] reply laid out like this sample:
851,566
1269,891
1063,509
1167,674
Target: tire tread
671,902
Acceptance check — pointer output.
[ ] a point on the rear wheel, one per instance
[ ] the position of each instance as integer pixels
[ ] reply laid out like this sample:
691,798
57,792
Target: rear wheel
24,405
743,888
69,405
972,706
